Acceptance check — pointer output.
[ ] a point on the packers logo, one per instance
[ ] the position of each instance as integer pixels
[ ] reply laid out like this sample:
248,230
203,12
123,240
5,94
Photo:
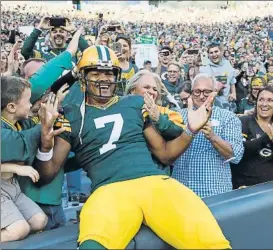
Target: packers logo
266,152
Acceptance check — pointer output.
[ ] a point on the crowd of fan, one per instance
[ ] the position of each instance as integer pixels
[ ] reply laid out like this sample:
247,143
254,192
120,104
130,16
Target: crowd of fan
196,56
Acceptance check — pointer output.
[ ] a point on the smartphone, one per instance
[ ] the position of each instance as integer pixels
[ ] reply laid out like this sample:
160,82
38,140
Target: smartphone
165,53
111,28
193,52
117,47
57,22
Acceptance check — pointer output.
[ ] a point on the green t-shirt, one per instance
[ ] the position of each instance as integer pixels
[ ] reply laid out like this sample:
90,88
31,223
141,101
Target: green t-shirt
113,145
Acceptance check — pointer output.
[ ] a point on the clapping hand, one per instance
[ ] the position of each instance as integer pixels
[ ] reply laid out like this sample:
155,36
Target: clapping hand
198,118
151,107
208,131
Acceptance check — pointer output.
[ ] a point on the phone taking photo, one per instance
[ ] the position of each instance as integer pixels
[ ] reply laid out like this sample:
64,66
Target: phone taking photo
193,52
117,47
57,22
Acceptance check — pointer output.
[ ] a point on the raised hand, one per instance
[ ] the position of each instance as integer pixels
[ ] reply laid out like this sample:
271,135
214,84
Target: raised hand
74,43
69,26
119,55
13,62
45,24
48,115
62,93
198,118
28,171
151,107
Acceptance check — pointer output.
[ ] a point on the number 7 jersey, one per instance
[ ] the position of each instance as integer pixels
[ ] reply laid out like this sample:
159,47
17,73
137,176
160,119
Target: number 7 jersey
113,145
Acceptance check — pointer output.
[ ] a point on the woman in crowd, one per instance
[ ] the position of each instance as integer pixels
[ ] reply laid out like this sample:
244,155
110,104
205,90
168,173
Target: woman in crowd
247,104
169,123
257,163
191,74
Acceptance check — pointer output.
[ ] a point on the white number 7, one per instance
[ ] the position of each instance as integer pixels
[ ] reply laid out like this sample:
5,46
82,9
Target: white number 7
117,128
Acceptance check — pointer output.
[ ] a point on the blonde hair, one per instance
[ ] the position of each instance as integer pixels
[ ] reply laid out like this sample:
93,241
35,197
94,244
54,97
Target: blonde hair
134,81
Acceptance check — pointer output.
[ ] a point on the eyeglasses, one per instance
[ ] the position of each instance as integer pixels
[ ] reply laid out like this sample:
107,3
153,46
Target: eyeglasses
172,71
206,92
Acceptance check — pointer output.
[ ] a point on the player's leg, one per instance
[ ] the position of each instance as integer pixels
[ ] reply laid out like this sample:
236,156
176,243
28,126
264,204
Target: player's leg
110,217
178,216
91,244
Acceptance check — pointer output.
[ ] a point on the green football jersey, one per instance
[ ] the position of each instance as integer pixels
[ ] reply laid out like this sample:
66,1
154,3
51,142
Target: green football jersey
113,147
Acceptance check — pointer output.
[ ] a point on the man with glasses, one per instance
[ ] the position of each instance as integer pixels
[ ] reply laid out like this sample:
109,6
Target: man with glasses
173,77
204,167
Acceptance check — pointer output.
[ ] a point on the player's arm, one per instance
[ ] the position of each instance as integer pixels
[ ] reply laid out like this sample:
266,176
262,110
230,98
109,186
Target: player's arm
168,152
169,123
48,169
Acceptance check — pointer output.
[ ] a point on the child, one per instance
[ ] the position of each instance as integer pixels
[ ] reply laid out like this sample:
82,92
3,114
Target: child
19,214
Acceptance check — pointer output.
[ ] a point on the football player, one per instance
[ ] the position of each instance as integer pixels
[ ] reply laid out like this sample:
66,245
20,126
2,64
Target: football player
113,139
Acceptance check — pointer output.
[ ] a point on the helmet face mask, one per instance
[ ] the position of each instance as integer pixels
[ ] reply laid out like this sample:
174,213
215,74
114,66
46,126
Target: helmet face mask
101,83
99,72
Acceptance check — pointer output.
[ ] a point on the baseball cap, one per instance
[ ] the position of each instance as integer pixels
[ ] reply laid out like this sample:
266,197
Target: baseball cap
166,48
147,61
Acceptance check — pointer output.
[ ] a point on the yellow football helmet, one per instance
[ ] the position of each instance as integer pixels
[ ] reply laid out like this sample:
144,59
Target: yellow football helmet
98,58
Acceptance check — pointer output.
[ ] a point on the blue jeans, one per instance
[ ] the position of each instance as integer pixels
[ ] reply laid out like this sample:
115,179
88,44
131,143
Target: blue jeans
74,181
55,214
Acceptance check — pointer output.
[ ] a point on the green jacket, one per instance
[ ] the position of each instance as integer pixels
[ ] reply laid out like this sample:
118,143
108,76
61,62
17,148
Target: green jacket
29,44
19,145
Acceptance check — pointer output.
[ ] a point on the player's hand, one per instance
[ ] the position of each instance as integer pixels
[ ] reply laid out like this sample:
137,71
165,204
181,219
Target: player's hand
28,171
69,26
48,115
151,107
45,24
198,118
208,131
62,92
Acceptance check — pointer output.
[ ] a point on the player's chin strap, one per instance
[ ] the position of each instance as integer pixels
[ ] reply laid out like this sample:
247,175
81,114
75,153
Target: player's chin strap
82,111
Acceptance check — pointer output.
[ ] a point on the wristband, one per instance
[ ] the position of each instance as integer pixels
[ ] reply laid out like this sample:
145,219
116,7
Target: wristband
191,130
189,133
44,156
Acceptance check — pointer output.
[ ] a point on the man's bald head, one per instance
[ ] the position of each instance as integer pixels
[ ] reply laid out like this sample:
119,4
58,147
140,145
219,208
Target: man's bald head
31,66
